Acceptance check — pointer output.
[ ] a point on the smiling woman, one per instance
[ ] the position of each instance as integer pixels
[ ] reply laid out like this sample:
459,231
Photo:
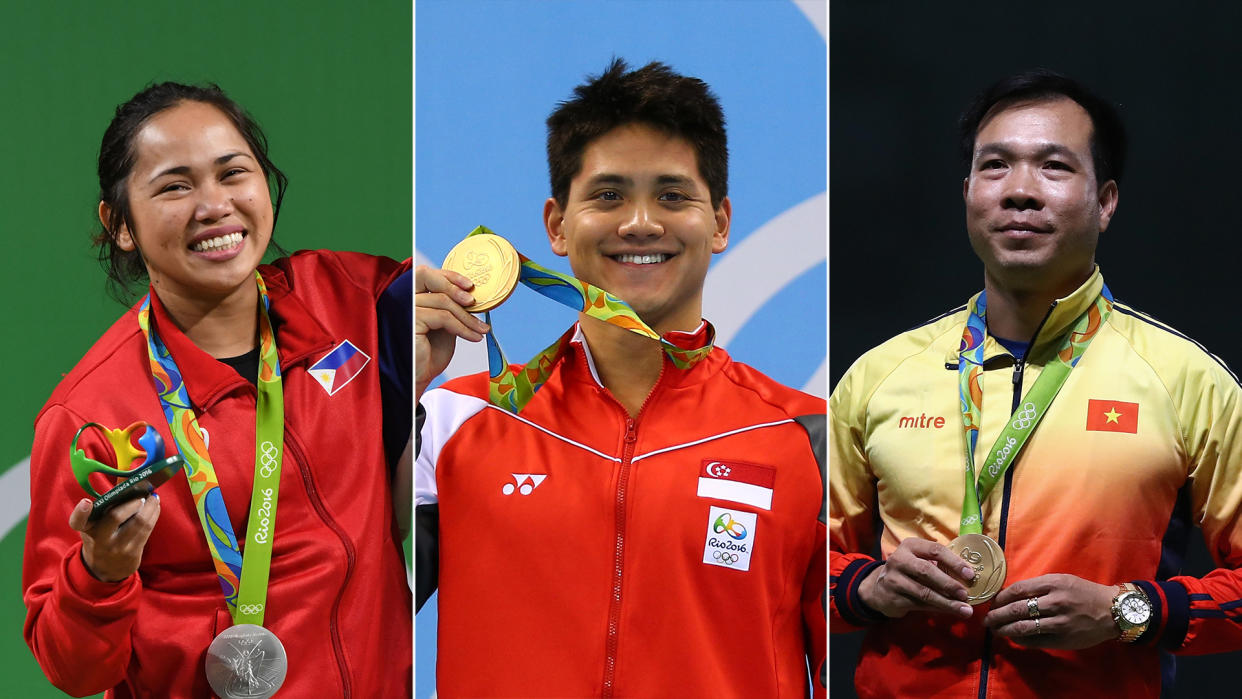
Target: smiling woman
248,369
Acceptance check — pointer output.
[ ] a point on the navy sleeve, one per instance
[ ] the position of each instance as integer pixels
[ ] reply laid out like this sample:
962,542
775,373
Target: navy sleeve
395,311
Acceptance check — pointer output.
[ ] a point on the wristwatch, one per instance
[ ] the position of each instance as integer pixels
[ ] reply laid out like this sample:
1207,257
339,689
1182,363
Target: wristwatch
1131,611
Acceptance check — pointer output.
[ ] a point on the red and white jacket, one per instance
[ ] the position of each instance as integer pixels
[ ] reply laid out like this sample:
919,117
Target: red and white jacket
583,553
338,597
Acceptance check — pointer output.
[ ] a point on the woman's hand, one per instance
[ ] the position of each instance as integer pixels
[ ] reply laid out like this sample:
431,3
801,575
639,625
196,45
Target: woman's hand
440,318
112,545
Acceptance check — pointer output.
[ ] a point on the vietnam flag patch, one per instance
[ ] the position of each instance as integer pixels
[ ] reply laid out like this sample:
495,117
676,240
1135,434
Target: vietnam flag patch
1112,416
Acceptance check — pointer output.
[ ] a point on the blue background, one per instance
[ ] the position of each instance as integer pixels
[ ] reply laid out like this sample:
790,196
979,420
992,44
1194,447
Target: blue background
487,74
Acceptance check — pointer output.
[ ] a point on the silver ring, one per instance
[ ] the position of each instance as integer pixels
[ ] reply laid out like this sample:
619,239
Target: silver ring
1037,631
1032,609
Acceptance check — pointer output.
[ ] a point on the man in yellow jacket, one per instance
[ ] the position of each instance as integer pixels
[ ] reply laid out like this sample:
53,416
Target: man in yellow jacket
1028,459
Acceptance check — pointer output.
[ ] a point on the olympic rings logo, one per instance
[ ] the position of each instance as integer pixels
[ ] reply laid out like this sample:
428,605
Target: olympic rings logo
725,524
1026,418
478,267
726,557
250,609
268,459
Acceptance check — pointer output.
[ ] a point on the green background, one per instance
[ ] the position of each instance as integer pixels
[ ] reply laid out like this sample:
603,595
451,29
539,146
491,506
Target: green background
331,85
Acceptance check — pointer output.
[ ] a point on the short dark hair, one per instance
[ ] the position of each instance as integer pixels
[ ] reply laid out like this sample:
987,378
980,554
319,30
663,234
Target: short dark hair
653,95
1108,136
117,158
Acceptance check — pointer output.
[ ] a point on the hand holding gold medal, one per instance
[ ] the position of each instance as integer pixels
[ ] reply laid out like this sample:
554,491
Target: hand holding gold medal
495,268
918,576
492,263
478,274
986,559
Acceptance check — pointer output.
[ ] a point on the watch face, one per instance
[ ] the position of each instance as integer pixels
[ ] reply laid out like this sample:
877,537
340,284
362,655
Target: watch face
1134,610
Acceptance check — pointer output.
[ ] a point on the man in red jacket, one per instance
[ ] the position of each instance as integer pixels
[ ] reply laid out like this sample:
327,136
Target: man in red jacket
651,522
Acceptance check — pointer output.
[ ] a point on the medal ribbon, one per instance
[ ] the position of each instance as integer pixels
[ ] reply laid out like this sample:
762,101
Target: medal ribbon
512,389
1023,420
246,595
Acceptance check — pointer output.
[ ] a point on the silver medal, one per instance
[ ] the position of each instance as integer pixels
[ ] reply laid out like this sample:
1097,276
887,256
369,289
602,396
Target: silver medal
246,662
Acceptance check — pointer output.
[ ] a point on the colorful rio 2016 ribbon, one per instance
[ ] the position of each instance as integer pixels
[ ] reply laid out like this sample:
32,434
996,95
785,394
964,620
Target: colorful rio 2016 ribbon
512,388
245,595
1016,432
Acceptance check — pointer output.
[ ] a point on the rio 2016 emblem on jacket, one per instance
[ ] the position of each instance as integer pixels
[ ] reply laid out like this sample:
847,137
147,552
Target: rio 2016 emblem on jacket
730,538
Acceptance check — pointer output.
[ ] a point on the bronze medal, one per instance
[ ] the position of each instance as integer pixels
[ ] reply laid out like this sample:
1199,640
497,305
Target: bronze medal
986,557
492,263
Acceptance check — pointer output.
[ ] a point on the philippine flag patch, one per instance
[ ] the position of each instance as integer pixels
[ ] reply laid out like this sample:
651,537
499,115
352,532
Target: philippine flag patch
339,367
738,481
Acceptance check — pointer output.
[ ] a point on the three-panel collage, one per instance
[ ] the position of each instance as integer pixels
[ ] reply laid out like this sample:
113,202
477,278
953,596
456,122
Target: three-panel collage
660,349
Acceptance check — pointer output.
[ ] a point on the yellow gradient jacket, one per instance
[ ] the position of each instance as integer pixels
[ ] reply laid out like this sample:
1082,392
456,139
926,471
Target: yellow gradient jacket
1141,442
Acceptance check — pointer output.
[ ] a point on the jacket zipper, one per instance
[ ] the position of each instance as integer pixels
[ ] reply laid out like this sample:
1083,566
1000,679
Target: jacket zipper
1018,368
614,604
294,444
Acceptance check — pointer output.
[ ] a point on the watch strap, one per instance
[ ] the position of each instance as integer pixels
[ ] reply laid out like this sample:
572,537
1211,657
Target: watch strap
1129,632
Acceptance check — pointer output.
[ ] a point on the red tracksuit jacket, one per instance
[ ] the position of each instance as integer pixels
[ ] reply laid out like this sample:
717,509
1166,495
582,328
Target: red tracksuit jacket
338,597
586,554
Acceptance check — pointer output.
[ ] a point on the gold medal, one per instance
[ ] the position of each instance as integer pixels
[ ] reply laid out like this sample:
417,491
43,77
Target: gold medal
492,263
986,557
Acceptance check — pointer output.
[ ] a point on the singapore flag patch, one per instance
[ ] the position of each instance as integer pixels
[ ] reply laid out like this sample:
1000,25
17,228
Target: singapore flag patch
750,484
339,367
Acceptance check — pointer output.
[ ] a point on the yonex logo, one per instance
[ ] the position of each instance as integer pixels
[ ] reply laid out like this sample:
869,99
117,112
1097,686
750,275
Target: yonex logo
523,483
1025,417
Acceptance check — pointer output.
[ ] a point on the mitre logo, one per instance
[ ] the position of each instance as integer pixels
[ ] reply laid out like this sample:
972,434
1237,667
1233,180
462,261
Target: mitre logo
923,420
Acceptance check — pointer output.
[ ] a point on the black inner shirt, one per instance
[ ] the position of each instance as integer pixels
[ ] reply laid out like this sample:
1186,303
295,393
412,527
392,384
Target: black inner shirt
247,365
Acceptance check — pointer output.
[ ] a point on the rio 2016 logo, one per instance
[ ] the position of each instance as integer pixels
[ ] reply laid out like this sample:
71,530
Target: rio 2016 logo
725,524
